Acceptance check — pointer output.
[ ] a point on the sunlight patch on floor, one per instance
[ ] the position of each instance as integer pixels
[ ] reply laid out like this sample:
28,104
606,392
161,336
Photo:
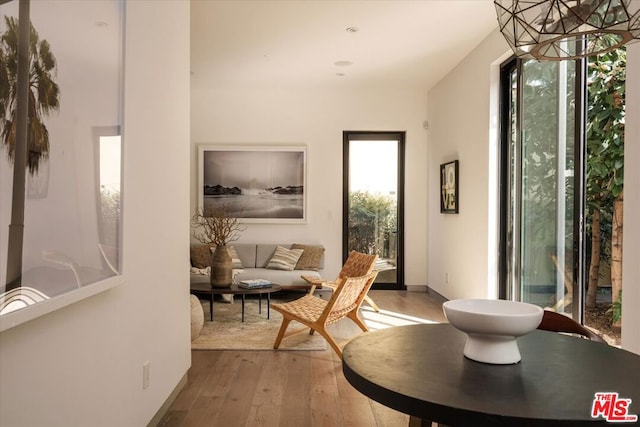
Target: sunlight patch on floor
386,319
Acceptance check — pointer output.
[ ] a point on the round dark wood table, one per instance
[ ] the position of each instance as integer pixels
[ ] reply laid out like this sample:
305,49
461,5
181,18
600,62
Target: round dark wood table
420,370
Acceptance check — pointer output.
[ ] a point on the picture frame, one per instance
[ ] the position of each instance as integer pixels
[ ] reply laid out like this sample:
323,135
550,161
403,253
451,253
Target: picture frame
259,184
449,193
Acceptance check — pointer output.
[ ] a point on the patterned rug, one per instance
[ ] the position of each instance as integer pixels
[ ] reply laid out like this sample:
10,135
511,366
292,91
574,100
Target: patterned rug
228,332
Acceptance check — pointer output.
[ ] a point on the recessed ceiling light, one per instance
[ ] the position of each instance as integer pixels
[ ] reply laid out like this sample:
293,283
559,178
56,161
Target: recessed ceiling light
343,63
352,29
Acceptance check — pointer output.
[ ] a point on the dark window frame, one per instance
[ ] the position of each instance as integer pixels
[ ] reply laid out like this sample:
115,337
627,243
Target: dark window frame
579,245
399,136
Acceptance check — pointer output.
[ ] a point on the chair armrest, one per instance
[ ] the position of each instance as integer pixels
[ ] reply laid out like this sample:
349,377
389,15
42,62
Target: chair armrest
317,283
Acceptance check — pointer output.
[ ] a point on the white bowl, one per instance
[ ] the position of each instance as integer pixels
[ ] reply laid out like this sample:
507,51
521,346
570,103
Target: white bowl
492,327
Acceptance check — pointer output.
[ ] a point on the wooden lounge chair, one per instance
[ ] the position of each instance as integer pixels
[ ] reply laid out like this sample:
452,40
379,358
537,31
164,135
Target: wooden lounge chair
357,264
557,322
315,313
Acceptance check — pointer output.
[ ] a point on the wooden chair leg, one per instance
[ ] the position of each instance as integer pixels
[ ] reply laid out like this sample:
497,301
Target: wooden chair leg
373,305
331,342
283,329
358,321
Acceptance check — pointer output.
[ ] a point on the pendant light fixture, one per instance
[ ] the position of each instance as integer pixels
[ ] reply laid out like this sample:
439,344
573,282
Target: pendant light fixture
567,29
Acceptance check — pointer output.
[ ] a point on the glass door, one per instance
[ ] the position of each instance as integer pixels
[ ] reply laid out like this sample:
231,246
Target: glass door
542,248
372,199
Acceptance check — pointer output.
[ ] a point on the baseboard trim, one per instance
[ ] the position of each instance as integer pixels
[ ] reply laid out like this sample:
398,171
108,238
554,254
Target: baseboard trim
431,291
157,418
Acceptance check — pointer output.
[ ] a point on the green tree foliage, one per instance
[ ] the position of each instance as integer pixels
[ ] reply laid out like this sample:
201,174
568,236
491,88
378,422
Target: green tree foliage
605,128
44,93
605,165
543,95
615,311
372,218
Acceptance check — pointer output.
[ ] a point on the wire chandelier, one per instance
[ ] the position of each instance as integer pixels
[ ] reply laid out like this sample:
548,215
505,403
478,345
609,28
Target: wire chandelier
567,29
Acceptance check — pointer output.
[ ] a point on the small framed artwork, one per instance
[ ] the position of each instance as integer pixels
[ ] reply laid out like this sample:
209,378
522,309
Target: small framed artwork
449,187
260,184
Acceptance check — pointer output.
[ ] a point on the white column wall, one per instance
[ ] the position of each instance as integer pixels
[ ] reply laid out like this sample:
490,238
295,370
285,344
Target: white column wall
462,253
82,365
631,236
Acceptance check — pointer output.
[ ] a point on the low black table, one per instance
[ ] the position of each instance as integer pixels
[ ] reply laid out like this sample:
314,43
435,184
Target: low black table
420,370
205,288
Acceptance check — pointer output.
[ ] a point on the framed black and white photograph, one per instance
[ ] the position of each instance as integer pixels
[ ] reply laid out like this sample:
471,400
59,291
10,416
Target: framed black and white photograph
449,187
260,184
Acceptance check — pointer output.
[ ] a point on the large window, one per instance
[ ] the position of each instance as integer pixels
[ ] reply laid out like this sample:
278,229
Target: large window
542,241
561,161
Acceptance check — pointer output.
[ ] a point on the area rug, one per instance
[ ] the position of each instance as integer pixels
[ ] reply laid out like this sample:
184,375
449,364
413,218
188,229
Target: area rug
228,332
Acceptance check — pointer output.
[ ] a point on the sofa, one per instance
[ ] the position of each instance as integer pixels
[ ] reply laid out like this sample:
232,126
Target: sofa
253,262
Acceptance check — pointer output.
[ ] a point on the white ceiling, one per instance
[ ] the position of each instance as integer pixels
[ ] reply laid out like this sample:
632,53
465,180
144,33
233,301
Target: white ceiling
268,43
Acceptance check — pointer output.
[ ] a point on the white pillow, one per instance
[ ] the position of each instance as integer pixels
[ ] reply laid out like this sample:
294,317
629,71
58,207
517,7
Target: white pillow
284,259
235,259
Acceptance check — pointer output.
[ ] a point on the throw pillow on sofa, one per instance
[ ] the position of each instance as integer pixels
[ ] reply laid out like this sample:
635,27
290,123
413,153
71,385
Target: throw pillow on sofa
201,256
284,259
310,259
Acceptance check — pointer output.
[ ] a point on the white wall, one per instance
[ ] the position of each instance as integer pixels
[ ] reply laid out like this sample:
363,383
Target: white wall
459,117
317,118
631,237
82,365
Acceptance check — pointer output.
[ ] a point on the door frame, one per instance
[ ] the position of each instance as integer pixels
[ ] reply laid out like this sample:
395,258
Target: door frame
505,268
399,136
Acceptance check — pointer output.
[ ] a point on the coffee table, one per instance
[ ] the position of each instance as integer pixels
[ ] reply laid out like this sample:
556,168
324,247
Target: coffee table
205,288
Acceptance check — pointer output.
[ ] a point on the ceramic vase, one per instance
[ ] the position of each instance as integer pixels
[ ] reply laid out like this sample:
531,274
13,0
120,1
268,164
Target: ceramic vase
221,268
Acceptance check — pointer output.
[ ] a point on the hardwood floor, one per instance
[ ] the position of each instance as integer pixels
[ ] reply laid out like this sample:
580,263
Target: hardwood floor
289,388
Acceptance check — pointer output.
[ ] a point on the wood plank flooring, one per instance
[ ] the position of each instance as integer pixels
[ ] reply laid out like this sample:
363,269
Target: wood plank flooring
289,388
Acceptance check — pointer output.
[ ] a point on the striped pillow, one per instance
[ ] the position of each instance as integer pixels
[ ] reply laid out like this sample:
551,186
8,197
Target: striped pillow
284,259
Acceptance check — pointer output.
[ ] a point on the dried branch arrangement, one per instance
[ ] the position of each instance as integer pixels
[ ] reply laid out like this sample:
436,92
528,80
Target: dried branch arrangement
216,226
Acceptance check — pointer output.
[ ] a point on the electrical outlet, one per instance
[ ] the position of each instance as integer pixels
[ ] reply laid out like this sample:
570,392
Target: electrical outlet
146,374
